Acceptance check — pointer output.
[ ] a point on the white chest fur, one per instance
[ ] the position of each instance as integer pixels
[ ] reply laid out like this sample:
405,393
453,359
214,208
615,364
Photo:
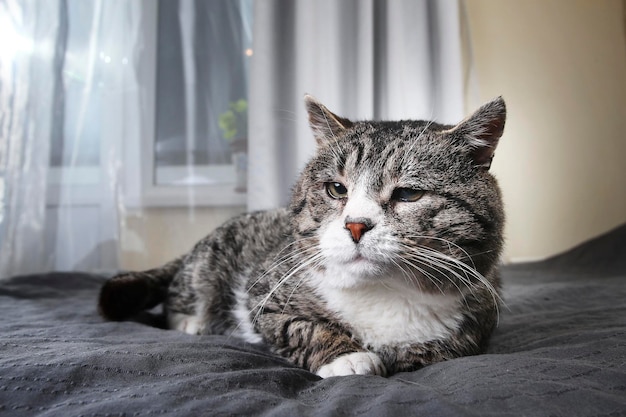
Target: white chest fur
395,314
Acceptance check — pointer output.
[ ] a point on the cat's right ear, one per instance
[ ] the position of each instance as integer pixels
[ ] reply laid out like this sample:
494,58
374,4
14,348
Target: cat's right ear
482,130
325,124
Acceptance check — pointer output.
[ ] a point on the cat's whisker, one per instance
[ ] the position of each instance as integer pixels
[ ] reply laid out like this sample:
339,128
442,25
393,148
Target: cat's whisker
409,276
449,243
448,263
302,279
411,263
434,263
296,242
433,278
291,256
456,267
282,280
444,260
464,267
282,260
304,264
292,244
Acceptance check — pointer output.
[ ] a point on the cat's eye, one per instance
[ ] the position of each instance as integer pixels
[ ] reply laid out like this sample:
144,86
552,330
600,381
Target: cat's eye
336,190
406,195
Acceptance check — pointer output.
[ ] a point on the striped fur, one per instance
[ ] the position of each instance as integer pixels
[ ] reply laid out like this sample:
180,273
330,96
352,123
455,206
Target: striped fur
384,261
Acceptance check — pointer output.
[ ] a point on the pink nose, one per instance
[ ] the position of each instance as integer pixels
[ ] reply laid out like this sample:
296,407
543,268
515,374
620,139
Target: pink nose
357,230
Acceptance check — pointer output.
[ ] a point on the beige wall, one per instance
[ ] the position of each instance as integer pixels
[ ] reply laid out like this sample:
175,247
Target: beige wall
561,67
154,236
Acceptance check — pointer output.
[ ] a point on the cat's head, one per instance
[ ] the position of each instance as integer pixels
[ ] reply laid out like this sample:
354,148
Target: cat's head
410,199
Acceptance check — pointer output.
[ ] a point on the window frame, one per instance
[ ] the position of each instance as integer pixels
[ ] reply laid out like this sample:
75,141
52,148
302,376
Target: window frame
135,146
150,193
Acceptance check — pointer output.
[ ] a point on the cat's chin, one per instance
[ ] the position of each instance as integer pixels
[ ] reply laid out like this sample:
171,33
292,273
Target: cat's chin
356,272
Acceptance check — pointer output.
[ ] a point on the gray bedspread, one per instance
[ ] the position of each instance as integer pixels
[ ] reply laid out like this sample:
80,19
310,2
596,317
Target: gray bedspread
559,350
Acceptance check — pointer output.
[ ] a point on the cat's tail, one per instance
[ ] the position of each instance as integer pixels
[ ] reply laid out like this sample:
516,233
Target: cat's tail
127,294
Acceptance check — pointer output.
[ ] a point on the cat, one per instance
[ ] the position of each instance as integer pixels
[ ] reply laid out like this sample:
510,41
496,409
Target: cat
386,259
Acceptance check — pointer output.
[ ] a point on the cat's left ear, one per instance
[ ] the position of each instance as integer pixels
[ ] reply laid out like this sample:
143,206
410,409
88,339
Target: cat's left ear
483,130
325,124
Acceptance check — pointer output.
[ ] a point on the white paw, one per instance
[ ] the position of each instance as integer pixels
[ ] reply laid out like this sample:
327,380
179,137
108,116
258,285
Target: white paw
358,363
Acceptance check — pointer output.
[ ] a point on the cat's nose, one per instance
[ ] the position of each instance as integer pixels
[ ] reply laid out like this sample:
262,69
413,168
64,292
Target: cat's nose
358,228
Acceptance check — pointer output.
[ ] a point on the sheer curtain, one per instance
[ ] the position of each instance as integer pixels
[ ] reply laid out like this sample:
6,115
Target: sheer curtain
89,112
67,86
26,94
364,59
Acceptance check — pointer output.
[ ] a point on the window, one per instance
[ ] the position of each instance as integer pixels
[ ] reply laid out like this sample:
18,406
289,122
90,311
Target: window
197,130
112,105
188,61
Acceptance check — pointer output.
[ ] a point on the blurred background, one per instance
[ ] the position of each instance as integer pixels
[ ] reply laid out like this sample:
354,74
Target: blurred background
131,129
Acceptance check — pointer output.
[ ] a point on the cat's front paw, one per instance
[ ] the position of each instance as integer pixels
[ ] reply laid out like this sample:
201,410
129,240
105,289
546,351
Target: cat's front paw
358,363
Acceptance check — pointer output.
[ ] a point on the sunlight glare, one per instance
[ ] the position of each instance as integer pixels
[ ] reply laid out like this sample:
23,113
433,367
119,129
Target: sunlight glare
12,43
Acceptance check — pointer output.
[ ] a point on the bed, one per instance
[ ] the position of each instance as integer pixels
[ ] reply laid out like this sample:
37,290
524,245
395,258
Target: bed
559,350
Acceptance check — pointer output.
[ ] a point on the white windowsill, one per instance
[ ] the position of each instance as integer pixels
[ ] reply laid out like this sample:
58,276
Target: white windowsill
201,186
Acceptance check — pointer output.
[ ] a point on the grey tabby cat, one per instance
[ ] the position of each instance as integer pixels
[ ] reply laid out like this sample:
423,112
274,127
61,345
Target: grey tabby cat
384,261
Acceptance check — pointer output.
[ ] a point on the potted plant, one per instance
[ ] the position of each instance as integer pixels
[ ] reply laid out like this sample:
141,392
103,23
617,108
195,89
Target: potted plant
234,125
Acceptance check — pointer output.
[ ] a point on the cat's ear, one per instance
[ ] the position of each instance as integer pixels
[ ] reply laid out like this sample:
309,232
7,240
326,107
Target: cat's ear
483,130
325,124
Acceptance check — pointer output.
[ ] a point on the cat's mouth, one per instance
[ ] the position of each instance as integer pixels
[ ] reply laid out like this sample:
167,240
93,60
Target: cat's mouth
359,259
364,255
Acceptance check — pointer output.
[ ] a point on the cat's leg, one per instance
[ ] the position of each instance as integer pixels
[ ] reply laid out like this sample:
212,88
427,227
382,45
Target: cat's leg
244,328
181,305
316,344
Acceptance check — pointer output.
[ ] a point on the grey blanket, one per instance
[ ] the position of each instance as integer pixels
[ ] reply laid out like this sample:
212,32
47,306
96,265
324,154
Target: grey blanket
559,350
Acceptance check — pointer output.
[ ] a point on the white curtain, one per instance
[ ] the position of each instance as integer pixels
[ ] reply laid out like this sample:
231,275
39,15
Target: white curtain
67,87
109,109
26,94
364,59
